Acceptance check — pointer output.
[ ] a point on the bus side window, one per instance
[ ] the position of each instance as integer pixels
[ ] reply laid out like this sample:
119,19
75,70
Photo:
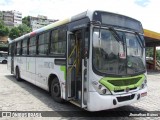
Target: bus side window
43,43
86,44
18,48
32,46
9,50
24,47
15,53
58,42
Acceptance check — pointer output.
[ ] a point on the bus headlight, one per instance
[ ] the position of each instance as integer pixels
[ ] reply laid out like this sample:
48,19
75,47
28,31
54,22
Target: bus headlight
102,90
144,84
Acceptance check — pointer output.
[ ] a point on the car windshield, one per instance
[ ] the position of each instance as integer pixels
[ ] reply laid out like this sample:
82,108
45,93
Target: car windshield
3,54
119,57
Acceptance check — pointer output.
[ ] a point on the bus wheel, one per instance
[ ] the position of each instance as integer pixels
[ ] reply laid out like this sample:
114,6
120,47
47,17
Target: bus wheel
18,74
56,91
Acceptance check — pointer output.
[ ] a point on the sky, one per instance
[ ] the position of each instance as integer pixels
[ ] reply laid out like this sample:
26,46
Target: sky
146,11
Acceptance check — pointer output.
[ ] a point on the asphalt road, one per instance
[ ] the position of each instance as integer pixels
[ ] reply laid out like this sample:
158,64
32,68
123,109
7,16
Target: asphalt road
23,96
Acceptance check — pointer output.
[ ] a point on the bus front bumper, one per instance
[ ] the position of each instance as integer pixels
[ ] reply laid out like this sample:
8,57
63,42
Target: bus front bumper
99,102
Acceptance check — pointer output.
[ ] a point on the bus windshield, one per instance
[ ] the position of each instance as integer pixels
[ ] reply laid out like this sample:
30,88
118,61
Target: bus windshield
111,56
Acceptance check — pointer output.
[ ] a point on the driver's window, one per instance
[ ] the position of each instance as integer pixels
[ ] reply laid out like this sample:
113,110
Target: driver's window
133,47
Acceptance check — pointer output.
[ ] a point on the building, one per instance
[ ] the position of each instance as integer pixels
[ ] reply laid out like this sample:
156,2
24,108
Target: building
8,18
40,21
17,18
1,15
11,18
152,40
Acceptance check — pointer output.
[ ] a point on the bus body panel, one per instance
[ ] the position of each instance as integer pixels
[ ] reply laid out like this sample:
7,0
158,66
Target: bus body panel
44,68
37,70
98,102
9,63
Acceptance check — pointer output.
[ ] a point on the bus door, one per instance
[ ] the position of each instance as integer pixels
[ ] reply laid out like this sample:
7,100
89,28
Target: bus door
75,67
12,57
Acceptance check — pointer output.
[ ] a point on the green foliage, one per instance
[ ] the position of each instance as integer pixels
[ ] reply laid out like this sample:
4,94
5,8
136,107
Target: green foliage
23,28
4,31
150,52
14,33
19,31
26,20
158,54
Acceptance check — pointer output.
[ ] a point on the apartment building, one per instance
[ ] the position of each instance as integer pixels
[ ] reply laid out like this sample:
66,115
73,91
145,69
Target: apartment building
8,18
11,18
17,18
40,21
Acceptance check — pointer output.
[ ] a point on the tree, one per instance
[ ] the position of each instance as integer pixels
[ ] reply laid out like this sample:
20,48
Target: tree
150,52
4,31
19,31
26,20
23,28
158,54
14,33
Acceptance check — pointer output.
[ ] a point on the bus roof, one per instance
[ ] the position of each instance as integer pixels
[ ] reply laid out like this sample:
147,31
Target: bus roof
88,13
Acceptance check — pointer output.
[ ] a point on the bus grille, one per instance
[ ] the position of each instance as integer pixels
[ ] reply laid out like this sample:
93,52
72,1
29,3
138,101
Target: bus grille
125,98
124,90
124,82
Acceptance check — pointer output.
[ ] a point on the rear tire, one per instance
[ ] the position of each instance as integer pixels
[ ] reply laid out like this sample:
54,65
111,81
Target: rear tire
56,91
18,78
4,62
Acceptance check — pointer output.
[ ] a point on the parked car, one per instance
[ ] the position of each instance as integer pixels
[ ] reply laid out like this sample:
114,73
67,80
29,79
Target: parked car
3,57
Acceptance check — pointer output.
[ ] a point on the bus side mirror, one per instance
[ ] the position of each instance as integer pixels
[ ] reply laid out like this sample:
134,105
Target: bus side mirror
96,40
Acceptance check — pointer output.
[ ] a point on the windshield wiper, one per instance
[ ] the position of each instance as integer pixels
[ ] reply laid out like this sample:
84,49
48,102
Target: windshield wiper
141,44
115,34
117,37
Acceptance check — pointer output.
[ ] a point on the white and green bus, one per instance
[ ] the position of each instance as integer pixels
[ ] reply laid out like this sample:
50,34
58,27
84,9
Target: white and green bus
95,60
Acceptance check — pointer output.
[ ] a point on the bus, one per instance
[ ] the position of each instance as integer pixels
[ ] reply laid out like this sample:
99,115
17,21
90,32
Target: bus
95,60
3,57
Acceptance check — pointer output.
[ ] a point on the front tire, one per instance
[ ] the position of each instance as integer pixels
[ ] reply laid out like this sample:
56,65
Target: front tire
56,91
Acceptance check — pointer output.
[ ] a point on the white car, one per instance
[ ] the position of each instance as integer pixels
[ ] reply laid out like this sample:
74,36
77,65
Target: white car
3,57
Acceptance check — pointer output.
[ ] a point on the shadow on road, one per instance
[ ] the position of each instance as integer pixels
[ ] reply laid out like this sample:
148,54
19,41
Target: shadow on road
153,72
69,110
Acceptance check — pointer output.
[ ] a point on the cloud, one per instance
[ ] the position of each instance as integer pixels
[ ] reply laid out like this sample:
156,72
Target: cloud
142,3
5,2
146,11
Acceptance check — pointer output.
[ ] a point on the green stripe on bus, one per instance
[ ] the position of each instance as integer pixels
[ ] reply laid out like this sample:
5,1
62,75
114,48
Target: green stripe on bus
111,87
63,68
